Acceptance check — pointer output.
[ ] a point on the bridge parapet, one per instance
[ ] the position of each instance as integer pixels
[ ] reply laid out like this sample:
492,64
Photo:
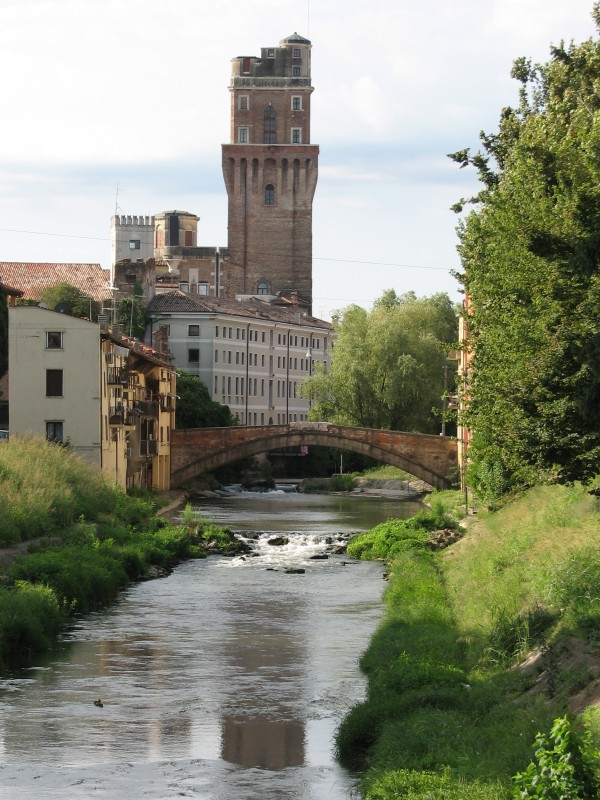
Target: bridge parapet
199,450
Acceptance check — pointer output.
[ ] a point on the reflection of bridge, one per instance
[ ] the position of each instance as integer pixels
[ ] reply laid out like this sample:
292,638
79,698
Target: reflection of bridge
431,458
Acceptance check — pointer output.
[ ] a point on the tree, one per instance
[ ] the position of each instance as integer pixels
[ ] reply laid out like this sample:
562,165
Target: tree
79,304
3,331
131,314
387,369
530,252
195,409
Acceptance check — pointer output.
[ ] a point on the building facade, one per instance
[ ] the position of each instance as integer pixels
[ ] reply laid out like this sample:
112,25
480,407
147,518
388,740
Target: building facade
54,379
110,398
252,356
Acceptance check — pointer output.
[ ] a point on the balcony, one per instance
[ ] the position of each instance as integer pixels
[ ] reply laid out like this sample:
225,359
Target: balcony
116,376
145,408
148,447
121,415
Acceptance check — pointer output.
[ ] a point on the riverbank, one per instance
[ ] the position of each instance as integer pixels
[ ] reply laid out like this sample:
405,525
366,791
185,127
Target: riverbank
70,542
483,645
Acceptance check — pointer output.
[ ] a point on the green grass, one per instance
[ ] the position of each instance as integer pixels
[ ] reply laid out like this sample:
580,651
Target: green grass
446,714
88,541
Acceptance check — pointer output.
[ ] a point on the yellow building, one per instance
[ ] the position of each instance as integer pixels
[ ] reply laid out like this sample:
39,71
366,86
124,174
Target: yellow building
138,387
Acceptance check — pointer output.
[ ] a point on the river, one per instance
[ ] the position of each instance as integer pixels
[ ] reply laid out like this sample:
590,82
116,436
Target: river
224,681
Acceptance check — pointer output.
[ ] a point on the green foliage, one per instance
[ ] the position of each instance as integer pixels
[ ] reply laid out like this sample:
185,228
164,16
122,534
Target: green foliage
388,365
3,331
30,617
389,538
78,302
195,408
44,488
341,483
131,314
565,768
421,785
530,252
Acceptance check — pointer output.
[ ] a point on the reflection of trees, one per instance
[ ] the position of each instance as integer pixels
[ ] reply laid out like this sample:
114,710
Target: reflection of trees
264,648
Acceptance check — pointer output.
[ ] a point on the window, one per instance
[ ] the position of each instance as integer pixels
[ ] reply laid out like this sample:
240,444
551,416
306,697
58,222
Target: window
295,72
130,278
296,103
270,125
271,52
188,238
269,195
54,383
193,330
262,288
134,244
243,102
54,431
193,355
54,340
296,135
297,53
216,356
242,135
203,289
184,287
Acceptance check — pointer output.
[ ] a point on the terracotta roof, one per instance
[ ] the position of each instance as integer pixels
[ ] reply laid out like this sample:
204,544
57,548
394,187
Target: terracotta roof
180,302
139,348
31,278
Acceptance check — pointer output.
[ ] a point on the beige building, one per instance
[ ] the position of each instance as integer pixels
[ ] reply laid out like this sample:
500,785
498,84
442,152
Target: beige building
54,378
251,355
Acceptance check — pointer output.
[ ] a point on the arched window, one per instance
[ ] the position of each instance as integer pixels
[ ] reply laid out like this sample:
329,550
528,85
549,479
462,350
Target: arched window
269,195
270,126
262,287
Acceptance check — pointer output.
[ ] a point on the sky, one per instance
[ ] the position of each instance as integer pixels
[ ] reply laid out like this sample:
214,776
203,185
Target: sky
121,106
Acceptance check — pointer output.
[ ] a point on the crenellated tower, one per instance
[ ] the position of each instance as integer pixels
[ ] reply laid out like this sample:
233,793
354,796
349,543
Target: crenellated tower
270,169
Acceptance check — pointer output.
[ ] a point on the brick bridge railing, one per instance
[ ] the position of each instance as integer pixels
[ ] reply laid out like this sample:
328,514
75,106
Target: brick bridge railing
198,450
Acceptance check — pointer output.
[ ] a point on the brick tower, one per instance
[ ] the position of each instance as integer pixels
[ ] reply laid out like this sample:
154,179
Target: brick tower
270,170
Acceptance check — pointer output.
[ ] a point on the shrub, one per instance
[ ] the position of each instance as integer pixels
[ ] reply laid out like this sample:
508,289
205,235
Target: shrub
30,617
564,767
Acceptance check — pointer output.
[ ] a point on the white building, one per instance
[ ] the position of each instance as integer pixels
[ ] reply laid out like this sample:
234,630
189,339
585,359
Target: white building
54,387
251,355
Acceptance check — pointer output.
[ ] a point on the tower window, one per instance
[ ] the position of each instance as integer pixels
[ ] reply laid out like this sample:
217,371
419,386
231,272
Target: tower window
271,52
270,125
134,244
296,103
296,135
297,53
296,72
243,102
262,288
242,135
245,66
269,195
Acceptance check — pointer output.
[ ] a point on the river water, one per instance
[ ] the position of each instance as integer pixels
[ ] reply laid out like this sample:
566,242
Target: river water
224,681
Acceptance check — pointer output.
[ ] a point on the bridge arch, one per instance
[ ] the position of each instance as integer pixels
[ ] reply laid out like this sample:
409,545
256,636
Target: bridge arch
199,450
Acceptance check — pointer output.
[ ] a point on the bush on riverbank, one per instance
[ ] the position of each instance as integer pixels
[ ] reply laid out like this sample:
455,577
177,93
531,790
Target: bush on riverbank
337,483
447,713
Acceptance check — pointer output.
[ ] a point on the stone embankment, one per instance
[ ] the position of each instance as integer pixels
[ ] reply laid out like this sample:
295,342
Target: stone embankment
392,487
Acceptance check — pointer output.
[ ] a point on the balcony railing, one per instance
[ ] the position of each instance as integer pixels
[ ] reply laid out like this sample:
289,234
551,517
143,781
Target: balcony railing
116,375
167,402
145,408
148,447
121,415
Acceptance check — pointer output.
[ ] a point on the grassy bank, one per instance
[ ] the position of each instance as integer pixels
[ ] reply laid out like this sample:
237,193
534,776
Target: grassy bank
482,646
87,542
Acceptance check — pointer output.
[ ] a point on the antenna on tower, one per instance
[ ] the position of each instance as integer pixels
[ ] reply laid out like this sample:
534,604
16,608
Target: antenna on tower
308,19
117,209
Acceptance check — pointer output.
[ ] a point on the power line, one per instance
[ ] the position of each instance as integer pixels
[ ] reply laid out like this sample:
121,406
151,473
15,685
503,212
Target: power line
315,258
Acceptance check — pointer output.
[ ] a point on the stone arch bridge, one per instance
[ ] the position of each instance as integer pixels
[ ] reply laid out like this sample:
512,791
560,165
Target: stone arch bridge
198,450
